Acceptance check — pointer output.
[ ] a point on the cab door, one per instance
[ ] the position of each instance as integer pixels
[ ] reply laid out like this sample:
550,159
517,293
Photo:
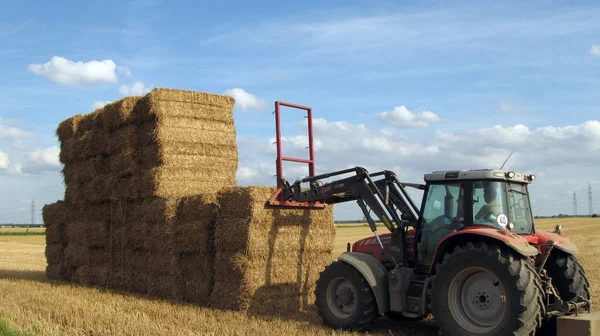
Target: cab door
442,214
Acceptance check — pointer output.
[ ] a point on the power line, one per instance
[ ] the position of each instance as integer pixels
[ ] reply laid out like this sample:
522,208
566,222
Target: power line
590,199
33,211
574,203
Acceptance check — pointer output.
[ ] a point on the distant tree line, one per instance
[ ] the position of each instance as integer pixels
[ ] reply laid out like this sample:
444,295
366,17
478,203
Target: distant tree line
21,225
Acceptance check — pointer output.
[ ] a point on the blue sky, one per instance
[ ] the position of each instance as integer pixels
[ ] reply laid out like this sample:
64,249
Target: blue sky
463,84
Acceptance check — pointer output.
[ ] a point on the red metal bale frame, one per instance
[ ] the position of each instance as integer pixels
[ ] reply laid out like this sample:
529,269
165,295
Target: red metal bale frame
277,198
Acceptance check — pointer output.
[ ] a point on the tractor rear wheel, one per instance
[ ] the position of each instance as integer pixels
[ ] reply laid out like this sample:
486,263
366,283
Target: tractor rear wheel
485,289
344,298
568,276
569,279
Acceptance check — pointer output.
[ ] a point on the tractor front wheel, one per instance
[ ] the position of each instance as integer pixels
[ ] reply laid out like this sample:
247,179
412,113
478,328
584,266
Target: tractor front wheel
485,289
344,298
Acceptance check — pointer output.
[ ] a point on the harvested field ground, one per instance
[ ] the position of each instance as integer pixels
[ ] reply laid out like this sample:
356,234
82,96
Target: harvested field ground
33,305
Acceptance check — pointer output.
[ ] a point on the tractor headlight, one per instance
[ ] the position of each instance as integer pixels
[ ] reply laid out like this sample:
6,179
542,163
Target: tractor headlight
531,177
510,174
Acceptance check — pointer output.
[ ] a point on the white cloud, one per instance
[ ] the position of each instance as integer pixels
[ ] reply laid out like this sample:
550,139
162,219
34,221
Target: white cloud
245,100
135,89
545,151
595,50
507,107
40,160
64,71
3,160
99,104
124,71
13,133
401,117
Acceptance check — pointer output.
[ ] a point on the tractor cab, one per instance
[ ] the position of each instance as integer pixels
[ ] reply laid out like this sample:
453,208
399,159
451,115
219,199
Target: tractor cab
462,200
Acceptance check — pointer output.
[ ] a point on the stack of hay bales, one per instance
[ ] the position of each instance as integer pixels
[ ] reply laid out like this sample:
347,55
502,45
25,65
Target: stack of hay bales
151,206
139,174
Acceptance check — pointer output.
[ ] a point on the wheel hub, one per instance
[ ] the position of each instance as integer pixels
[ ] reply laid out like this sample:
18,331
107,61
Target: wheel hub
477,300
341,297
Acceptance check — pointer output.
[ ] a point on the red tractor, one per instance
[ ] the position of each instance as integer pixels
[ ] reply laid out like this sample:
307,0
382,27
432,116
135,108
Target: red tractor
470,255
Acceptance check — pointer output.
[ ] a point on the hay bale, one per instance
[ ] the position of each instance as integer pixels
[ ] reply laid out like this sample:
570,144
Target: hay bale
55,217
54,253
246,224
54,271
150,186
160,286
135,275
97,276
238,277
96,234
68,127
99,257
123,139
75,233
192,277
166,103
262,251
118,114
76,255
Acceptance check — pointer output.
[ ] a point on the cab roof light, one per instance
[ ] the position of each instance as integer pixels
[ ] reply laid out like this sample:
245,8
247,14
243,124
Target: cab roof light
510,174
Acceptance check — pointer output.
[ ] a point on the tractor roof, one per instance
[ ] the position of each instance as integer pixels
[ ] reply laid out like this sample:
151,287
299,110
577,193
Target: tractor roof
478,174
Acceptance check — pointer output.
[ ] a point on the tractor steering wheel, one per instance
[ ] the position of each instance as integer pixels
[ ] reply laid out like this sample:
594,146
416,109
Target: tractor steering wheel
443,222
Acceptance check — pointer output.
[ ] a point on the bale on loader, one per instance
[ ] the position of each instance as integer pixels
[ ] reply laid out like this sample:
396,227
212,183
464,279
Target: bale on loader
262,253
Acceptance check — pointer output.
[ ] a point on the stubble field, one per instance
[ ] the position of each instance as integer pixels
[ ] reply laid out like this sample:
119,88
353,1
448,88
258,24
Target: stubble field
32,305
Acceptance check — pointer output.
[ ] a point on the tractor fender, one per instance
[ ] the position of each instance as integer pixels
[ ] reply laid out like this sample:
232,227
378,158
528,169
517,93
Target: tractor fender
561,242
375,273
471,234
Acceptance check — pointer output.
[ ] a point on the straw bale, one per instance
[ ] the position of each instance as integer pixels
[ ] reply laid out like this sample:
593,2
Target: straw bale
149,134
54,253
124,163
55,217
68,127
116,188
88,122
196,207
118,114
135,275
184,148
125,138
97,276
76,233
246,224
164,103
150,186
153,209
96,234
158,263
160,286
159,238
54,271
194,123
185,174
72,193
76,255
99,257
238,277
280,300
136,234
194,236
192,277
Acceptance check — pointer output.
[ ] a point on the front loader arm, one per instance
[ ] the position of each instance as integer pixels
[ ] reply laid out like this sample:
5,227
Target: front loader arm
384,197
